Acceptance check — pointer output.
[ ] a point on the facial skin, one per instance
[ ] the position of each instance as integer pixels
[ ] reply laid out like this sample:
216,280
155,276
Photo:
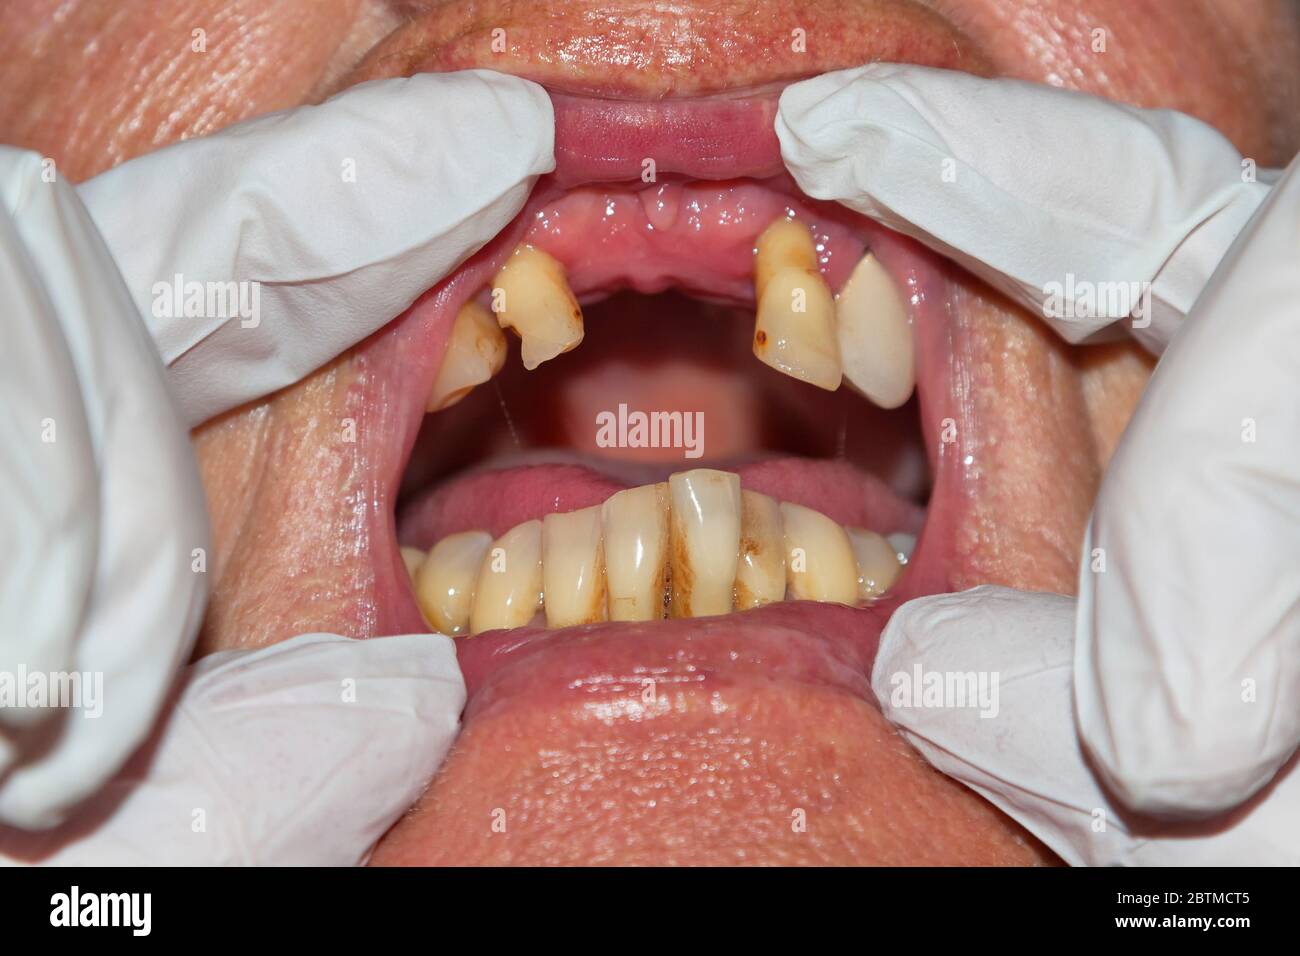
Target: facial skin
95,82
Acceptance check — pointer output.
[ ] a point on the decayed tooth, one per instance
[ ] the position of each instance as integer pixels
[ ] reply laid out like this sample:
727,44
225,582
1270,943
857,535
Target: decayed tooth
760,575
444,583
794,331
475,352
875,338
509,586
531,295
877,561
784,244
573,572
704,541
818,556
903,544
412,558
636,552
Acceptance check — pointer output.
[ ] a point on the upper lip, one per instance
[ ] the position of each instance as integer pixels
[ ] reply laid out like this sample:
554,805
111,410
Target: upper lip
625,49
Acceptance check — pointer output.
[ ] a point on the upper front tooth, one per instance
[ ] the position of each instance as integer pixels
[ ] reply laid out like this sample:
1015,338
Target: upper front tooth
509,586
785,244
875,336
819,557
794,331
573,573
531,295
704,539
760,575
636,552
444,584
877,561
476,350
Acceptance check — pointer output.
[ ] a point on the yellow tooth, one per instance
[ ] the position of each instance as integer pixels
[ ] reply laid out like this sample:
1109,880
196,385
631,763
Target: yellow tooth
636,552
877,562
760,575
573,568
794,331
509,586
875,337
704,541
475,352
412,558
783,244
531,295
818,557
444,583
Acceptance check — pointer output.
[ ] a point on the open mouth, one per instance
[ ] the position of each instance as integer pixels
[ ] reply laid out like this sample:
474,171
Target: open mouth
706,438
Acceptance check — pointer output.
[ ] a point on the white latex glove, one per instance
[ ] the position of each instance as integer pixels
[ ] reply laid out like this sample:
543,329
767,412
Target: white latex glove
1027,759
345,213
301,753
1196,512
1026,185
104,515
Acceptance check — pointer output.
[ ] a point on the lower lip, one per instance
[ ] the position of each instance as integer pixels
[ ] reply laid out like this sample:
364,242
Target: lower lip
628,670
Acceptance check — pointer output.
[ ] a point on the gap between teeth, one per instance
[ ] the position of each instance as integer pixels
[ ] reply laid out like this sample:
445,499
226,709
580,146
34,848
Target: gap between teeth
862,336
693,546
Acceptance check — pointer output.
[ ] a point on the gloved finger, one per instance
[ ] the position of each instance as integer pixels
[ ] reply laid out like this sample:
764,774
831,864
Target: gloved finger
1065,202
49,476
135,623
980,683
334,218
301,753
1188,648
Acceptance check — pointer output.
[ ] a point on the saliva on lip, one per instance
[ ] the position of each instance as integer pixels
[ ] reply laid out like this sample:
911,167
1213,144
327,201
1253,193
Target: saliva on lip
695,545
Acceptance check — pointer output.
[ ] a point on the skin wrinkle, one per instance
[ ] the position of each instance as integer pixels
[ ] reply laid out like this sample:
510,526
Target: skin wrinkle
724,772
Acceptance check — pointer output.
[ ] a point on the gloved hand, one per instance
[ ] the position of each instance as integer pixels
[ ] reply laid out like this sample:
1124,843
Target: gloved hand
344,213
301,753
1184,648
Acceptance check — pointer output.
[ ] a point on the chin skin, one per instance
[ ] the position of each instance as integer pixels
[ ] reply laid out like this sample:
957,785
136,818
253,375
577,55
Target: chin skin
782,774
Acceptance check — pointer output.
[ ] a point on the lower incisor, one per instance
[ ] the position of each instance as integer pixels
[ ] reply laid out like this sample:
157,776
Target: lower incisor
704,541
509,587
818,556
573,568
636,552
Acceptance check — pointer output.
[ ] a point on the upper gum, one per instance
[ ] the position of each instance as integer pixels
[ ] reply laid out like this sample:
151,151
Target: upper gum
605,238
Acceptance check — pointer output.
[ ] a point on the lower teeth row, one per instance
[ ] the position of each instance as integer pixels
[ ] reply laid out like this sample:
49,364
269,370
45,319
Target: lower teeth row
692,546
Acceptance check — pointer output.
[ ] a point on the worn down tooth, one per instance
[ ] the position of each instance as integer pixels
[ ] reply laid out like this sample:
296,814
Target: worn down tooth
760,575
573,568
531,295
412,558
508,590
636,552
475,352
820,565
877,562
444,583
704,541
903,544
794,330
875,338
783,244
